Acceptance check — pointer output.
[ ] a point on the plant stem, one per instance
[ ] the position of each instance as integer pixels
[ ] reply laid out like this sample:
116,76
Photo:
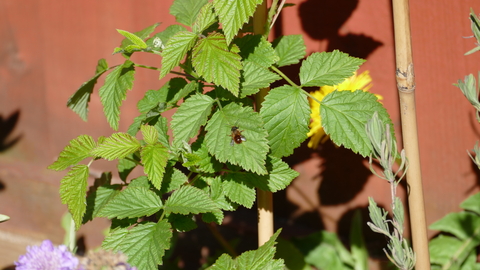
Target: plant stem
221,239
264,198
284,76
148,67
406,89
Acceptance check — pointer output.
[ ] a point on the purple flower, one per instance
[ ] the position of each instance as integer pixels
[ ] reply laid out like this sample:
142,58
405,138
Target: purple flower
47,257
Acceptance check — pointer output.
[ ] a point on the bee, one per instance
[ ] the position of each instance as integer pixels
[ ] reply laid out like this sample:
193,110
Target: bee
237,136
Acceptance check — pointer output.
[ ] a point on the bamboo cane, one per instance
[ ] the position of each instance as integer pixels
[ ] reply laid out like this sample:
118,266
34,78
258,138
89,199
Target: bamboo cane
264,198
406,90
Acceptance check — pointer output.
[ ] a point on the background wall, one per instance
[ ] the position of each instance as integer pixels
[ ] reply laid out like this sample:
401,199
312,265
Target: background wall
49,48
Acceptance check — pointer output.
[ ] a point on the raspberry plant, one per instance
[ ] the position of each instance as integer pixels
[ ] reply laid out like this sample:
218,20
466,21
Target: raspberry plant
220,66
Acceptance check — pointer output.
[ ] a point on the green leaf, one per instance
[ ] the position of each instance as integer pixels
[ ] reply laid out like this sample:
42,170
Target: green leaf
217,63
132,202
463,225
162,129
150,134
171,92
125,166
344,115
262,258
154,159
142,35
77,150
119,145
472,203
224,262
190,116
172,180
286,113
233,14
218,195
114,91
205,19
279,177
294,259
175,50
186,11
250,154
256,49
206,162
159,40
358,247
73,189
255,77
324,250
290,49
144,245
238,190
98,199
450,252
328,68
188,200
134,39
135,126
78,102
182,223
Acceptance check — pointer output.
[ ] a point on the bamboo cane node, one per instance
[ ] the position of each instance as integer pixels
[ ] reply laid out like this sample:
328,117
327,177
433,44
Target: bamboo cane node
406,79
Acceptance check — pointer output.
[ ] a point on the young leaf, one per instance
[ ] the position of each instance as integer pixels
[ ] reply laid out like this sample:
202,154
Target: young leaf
238,190
217,63
250,154
159,40
162,129
205,19
132,202
290,49
137,122
328,68
186,11
233,14
188,200
142,35
144,245
134,39
255,77
78,102
73,189
77,150
286,114
175,50
279,177
344,115
119,145
150,134
154,159
190,116
114,91
206,163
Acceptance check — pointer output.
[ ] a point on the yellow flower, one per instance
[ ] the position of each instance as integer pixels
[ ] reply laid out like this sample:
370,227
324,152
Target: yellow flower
354,83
